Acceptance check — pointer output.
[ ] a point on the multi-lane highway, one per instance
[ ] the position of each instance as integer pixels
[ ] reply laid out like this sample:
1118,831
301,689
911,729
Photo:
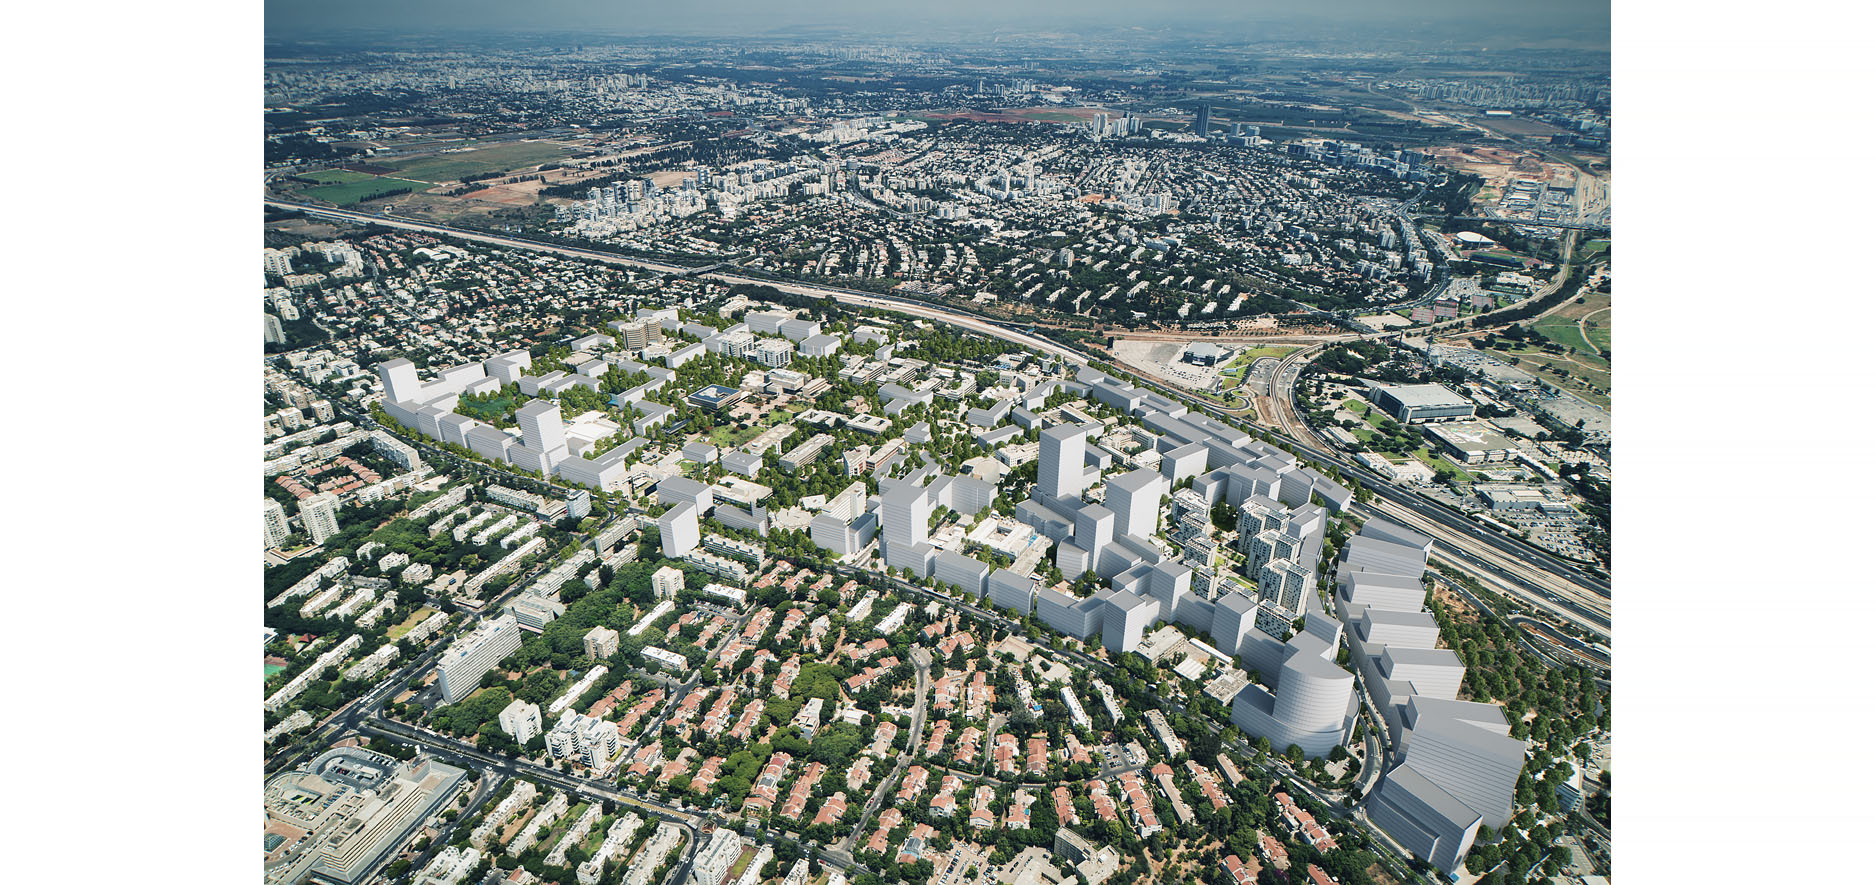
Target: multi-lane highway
1517,561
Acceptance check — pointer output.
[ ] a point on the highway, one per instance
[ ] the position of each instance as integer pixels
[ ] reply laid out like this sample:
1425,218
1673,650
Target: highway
1510,556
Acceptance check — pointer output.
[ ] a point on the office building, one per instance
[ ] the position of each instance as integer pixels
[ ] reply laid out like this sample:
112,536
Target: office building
1063,470
1453,777
541,426
521,720
679,530
1202,125
1079,618
1313,705
1134,499
319,515
1093,529
905,514
970,575
1009,590
1126,619
274,518
399,377
459,671
1232,619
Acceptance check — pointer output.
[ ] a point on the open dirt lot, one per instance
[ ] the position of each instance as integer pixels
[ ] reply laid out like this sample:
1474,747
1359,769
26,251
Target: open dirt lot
1498,166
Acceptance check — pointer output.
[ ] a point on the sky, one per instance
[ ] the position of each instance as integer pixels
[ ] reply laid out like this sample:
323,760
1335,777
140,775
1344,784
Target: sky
1538,20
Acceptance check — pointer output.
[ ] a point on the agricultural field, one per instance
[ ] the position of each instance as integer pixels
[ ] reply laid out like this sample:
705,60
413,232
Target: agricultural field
497,158
347,193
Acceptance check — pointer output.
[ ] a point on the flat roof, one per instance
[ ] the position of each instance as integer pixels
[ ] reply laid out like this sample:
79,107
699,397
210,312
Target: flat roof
1422,394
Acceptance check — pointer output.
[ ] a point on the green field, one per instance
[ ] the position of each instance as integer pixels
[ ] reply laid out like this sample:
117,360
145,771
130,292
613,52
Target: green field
500,158
1563,331
1588,373
337,176
351,192
1436,461
273,668
409,624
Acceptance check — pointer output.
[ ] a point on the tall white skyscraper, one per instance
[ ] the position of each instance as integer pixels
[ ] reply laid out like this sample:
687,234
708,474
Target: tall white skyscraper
1063,471
541,426
679,531
275,517
273,333
1134,499
320,515
399,377
905,514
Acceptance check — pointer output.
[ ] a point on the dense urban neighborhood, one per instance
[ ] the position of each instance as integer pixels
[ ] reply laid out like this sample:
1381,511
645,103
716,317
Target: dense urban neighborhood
782,464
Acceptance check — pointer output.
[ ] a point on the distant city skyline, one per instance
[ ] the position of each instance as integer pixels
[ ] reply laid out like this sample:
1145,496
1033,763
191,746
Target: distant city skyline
1575,23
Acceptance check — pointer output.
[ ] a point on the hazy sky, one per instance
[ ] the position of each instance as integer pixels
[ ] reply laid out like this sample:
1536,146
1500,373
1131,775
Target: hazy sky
1537,18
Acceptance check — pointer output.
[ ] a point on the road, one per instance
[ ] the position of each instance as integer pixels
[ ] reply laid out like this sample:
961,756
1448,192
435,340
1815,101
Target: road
922,660
582,788
1512,556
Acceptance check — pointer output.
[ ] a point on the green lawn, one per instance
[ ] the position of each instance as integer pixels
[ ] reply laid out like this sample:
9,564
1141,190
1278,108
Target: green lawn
337,176
499,158
409,624
1257,353
1435,462
742,862
352,192
595,838
1563,331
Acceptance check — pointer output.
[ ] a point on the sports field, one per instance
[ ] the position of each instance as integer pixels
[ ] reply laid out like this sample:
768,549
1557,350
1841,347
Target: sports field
347,193
498,158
